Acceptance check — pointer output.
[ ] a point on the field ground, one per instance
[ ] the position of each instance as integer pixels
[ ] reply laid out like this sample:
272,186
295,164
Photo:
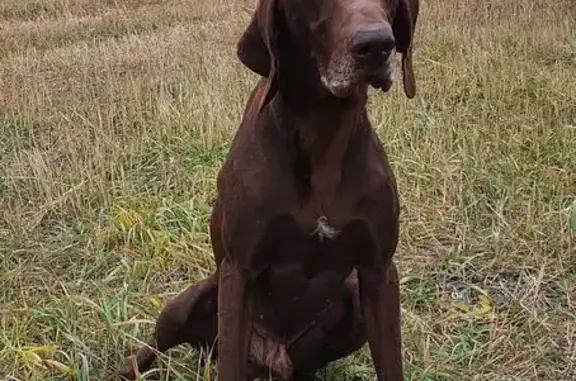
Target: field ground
115,116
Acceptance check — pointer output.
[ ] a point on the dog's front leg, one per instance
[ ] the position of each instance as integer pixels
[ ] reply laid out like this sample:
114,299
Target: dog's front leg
380,301
234,323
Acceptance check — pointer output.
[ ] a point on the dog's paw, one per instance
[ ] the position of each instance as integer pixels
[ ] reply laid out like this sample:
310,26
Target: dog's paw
268,352
128,371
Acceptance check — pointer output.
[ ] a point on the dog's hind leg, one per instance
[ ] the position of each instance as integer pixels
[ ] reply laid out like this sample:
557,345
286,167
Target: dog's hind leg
191,318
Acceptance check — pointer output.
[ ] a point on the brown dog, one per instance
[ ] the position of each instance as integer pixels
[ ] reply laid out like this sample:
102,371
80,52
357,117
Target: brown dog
307,203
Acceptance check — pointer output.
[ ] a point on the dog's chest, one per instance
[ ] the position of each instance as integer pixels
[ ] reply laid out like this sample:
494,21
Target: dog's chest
305,271
319,247
324,218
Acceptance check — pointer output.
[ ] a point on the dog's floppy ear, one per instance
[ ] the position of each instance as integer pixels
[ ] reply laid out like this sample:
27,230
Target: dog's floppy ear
403,27
258,46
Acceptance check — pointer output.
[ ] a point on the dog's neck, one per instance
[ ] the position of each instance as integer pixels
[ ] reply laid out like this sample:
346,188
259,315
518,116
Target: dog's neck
324,130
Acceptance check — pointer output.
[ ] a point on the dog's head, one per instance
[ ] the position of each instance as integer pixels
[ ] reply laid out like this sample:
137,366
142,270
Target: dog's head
353,42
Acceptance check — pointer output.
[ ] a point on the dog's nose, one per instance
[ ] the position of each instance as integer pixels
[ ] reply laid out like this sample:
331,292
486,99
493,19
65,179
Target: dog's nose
373,42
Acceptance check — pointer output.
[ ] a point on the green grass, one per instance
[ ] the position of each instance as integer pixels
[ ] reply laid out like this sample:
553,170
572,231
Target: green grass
116,115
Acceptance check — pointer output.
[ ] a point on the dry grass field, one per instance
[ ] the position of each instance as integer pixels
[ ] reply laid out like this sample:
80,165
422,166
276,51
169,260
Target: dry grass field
115,116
